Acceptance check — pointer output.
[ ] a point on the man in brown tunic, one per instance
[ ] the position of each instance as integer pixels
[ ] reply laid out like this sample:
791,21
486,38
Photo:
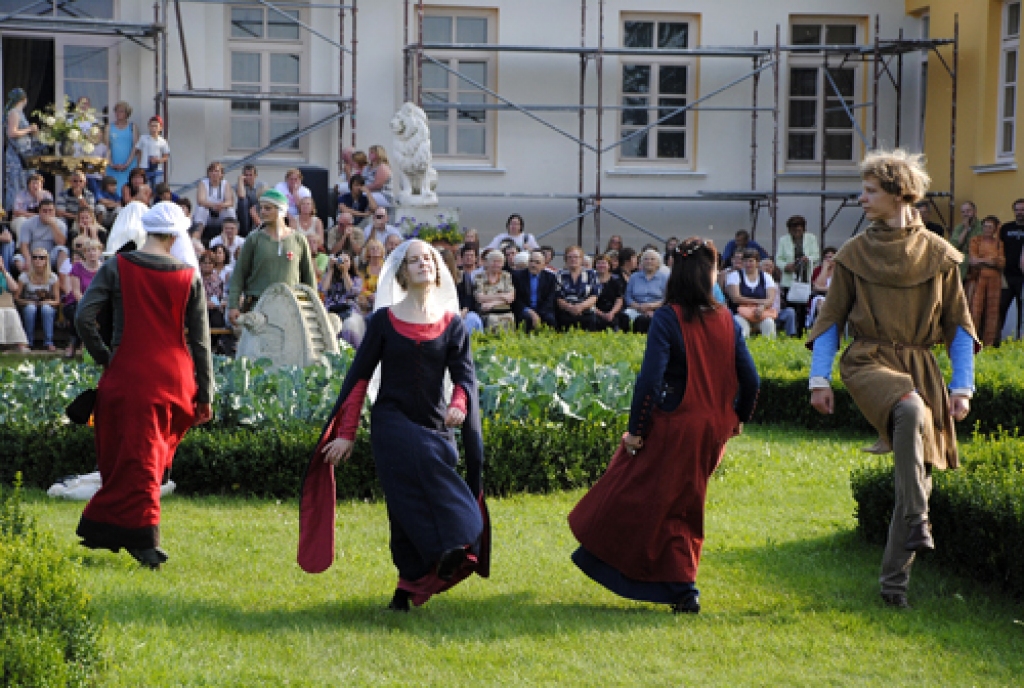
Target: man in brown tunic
897,288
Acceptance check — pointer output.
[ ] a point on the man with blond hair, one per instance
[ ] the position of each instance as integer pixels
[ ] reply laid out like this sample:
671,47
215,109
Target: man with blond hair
889,369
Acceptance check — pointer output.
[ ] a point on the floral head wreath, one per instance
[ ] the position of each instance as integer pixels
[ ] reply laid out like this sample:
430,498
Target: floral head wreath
689,248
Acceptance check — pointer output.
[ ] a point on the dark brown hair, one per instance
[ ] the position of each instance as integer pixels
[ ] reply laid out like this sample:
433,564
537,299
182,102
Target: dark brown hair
691,285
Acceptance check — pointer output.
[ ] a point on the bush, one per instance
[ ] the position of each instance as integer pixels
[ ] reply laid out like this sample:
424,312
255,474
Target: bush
47,637
977,512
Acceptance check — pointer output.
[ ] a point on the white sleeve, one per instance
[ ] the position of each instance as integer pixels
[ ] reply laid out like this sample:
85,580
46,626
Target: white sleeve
733,278
768,281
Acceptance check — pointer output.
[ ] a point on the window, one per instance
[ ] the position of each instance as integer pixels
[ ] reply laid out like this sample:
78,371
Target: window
265,57
817,99
653,87
1006,125
83,9
87,73
463,132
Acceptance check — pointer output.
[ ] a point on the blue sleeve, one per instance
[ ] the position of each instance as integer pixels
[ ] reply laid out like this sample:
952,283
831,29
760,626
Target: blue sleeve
652,371
825,348
719,296
746,373
961,355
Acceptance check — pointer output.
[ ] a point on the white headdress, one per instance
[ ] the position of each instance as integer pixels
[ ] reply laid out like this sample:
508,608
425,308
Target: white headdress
127,227
389,292
167,217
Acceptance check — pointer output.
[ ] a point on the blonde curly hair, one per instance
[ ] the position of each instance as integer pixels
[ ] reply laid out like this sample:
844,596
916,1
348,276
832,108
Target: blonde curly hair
898,172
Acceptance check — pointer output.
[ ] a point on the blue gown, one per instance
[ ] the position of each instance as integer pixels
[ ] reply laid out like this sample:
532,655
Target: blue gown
122,143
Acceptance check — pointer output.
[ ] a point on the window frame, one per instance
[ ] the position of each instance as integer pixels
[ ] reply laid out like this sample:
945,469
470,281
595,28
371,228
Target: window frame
455,85
824,92
654,95
265,47
1008,43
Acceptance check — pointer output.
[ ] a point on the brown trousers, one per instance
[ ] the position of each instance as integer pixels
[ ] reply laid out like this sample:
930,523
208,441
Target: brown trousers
985,305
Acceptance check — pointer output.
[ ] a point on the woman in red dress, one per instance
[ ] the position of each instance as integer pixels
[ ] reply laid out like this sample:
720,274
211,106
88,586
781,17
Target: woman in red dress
641,526
157,381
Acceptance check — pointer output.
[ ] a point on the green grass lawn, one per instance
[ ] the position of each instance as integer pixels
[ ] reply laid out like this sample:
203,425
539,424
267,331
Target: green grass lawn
788,589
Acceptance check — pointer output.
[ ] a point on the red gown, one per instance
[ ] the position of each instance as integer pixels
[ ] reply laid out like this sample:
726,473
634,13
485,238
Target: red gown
645,516
144,406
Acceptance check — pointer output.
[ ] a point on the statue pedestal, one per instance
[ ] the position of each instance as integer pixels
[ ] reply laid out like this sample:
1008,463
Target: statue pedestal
430,223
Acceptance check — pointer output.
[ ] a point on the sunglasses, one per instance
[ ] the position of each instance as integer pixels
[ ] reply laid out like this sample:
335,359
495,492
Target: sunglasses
40,257
380,217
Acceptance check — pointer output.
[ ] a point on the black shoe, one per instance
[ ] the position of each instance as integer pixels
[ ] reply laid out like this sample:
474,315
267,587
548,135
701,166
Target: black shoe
688,605
920,538
450,562
400,602
95,545
151,558
896,600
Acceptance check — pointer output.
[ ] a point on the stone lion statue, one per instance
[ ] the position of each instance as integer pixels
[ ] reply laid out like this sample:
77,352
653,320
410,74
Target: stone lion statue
411,155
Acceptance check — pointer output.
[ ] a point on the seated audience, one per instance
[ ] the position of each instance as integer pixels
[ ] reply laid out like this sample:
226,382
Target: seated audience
611,293
380,229
369,271
293,189
229,239
521,261
308,224
39,296
74,197
627,264
26,206
471,236
12,333
577,293
214,285
359,204
341,286
645,291
786,320
338,234
536,290
752,294
614,243
222,263
494,292
44,231
549,259
215,201
739,245
378,176
130,190
509,250
79,278
470,256
468,306
391,242
821,280
467,302
108,202
248,192
515,233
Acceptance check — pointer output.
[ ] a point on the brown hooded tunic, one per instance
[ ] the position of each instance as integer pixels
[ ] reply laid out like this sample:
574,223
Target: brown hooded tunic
899,291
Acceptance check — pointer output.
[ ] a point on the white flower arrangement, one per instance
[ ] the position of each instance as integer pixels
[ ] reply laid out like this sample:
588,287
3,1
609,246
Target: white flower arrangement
62,123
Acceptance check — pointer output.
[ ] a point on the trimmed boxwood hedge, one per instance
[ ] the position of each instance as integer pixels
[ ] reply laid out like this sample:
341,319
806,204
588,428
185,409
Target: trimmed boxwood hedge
977,511
522,456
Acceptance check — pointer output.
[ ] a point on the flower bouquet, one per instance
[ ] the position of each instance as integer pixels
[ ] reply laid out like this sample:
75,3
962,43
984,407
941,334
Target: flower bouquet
65,126
444,230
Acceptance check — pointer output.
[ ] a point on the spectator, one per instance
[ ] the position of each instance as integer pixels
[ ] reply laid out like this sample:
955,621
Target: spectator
470,262
130,191
353,162
536,290
306,223
79,279
108,202
354,248
627,264
128,226
94,180
163,192
509,250
735,265
215,201
494,292
786,319
248,192
153,151
613,261
372,265
645,291
467,303
577,293
8,246
293,189
17,266
549,259
274,254
341,286
11,331
357,202
752,293
515,232
74,197
26,206
924,209
391,242
213,286
380,229
821,280
229,239
670,252
121,139
469,309
471,236
611,292
987,259
222,264
614,243
1012,236
45,231
195,230
739,244
969,227
19,144
338,234
797,253
89,228
39,296
378,176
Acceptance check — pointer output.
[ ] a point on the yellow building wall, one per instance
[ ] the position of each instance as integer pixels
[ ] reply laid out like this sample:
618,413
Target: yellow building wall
977,106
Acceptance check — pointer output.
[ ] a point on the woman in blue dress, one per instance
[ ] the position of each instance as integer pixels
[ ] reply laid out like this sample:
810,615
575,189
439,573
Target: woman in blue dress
18,133
439,532
121,139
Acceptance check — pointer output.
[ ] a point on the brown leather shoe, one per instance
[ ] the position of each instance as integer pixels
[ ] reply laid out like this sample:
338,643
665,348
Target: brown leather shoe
896,600
920,538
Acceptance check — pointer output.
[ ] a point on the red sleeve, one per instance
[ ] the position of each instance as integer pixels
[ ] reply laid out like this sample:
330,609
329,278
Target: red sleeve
352,408
458,399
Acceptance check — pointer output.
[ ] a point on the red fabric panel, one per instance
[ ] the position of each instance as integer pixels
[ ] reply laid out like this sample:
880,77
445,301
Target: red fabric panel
316,513
420,333
350,412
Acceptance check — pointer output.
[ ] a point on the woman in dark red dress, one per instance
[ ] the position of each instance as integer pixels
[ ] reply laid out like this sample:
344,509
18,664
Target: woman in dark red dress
439,533
641,526
156,384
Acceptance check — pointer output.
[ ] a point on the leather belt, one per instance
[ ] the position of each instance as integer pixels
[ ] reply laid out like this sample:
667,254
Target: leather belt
898,346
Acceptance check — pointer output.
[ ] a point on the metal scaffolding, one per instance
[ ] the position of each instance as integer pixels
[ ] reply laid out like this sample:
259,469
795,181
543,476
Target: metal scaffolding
764,58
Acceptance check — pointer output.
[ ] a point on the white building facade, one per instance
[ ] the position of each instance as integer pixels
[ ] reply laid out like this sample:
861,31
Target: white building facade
486,156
